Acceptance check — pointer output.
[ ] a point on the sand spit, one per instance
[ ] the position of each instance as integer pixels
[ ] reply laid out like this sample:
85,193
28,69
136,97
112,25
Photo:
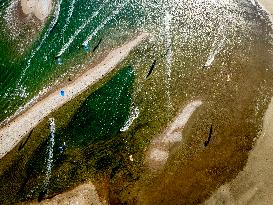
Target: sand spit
254,184
158,152
84,194
12,133
40,8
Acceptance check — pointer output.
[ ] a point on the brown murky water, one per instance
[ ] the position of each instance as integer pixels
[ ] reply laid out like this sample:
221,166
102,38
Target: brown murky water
235,87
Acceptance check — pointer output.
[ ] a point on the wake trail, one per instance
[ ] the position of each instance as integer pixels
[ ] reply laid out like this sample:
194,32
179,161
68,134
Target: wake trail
133,115
214,52
70,13
72,38
217,46
169,56
51,26
50,151
116,12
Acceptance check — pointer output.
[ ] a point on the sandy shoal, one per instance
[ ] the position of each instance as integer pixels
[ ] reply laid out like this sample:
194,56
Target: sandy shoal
12,133
40,8
84,194
253,185
158,152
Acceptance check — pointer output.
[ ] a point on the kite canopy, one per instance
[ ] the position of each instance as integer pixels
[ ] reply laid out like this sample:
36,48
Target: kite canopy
62,93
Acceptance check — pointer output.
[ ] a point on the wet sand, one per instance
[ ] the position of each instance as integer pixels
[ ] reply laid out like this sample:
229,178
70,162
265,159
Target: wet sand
12,133
253,185
84,194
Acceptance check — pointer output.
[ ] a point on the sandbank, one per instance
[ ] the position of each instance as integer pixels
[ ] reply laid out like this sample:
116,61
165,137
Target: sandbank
13,132
40,8
84,194
158,152
253,185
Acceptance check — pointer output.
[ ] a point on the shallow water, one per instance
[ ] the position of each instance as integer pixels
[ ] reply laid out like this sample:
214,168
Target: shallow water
196,31
216,51
96,121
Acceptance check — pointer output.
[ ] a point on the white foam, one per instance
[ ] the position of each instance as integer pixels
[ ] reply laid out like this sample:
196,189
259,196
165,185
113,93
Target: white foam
22,92
216,48
134,114
51,26
28,104
169,56
70,12
101,26
78,31
50,150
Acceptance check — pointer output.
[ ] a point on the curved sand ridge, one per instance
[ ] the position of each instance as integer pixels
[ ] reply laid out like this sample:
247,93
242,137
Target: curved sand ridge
12,134
40,8
254,184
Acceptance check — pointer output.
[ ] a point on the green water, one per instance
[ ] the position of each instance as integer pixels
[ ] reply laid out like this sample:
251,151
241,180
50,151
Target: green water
24,76
25,73
98,120
185,37
103,113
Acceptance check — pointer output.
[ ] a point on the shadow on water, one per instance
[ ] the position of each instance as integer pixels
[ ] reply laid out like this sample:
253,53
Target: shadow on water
85,146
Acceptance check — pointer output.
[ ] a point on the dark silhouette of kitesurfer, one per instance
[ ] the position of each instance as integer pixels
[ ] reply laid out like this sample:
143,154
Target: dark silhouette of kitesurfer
209,138
151,68
97,46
